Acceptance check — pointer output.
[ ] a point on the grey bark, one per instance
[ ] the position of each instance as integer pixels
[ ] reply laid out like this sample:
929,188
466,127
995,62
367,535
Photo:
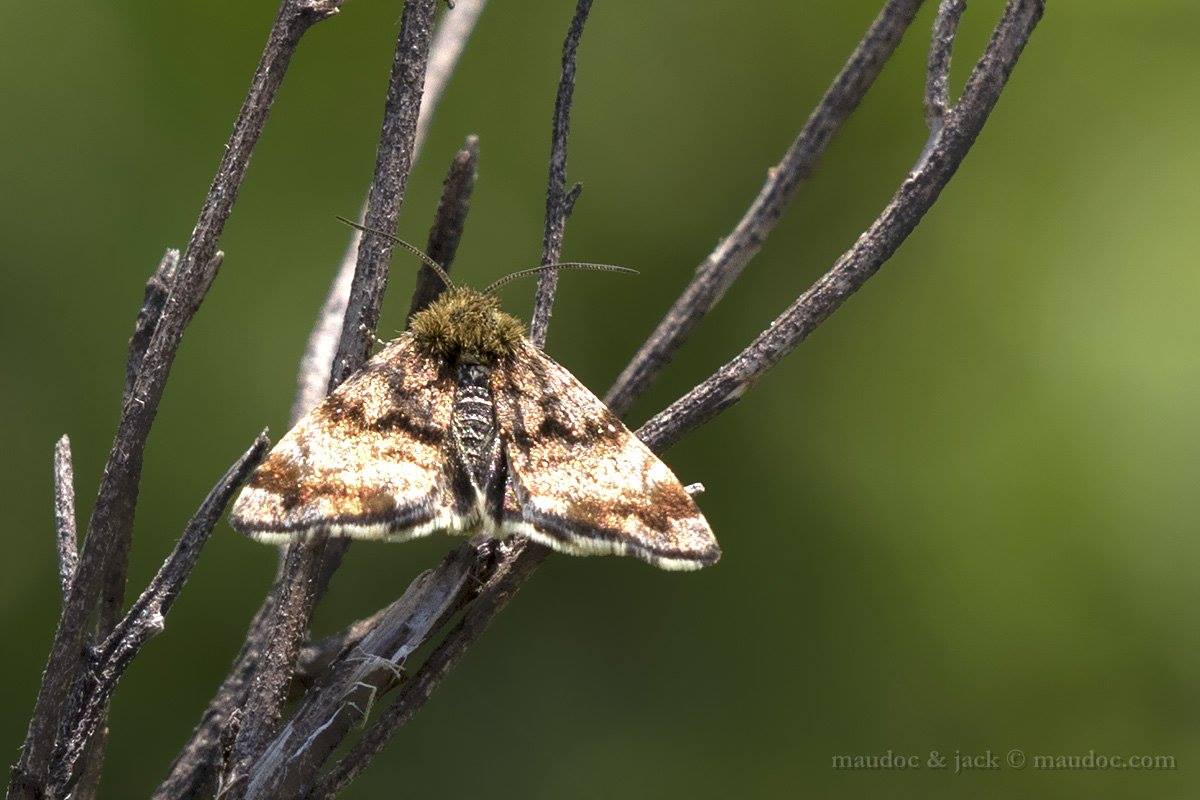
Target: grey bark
559,201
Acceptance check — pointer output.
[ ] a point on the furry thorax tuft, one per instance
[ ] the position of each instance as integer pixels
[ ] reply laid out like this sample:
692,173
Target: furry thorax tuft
466,324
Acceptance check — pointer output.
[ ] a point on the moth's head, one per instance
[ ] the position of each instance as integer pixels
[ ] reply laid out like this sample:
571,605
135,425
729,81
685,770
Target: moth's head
467,324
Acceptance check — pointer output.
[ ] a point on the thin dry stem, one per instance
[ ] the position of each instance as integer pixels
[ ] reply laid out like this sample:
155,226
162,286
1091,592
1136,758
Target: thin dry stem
937,74
559,201
105,549
392,165
158,287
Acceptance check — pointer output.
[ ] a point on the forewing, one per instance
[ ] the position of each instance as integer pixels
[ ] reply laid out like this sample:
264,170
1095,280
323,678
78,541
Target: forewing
580,481
373,460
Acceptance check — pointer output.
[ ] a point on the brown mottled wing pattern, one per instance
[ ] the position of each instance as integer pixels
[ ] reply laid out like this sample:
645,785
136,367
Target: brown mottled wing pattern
374,460
580,481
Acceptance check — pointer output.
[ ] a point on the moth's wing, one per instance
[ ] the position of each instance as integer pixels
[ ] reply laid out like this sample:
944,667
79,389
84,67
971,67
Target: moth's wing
373,461
580,481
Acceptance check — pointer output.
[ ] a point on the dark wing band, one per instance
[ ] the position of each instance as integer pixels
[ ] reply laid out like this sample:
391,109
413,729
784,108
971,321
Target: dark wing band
372,461
581,482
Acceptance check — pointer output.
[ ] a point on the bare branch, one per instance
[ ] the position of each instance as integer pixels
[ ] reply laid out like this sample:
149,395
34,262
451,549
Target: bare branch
64,515
448,224
558,200
937,77
341,701
268,689
146,618
302,562
518,559
449,41
937,71
112,589
916,195
157,288
724,264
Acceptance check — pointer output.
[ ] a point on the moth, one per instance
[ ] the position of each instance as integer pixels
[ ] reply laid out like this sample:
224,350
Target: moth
463,425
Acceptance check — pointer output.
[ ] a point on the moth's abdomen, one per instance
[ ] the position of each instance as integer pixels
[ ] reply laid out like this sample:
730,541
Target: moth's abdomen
475,421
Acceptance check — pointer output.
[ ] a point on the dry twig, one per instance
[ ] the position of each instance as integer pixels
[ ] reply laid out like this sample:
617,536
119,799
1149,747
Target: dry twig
937,78
158,288
559,201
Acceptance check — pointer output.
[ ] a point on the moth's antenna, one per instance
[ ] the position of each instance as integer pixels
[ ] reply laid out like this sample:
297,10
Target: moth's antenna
416,251
579,265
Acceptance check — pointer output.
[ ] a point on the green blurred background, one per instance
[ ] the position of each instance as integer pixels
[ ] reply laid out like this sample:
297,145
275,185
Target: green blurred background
961,516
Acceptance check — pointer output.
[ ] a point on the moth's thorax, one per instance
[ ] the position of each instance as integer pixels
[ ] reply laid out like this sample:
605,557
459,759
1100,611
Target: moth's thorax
467,326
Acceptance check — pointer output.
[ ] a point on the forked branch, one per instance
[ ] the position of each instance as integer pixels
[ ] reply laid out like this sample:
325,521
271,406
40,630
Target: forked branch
559,201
